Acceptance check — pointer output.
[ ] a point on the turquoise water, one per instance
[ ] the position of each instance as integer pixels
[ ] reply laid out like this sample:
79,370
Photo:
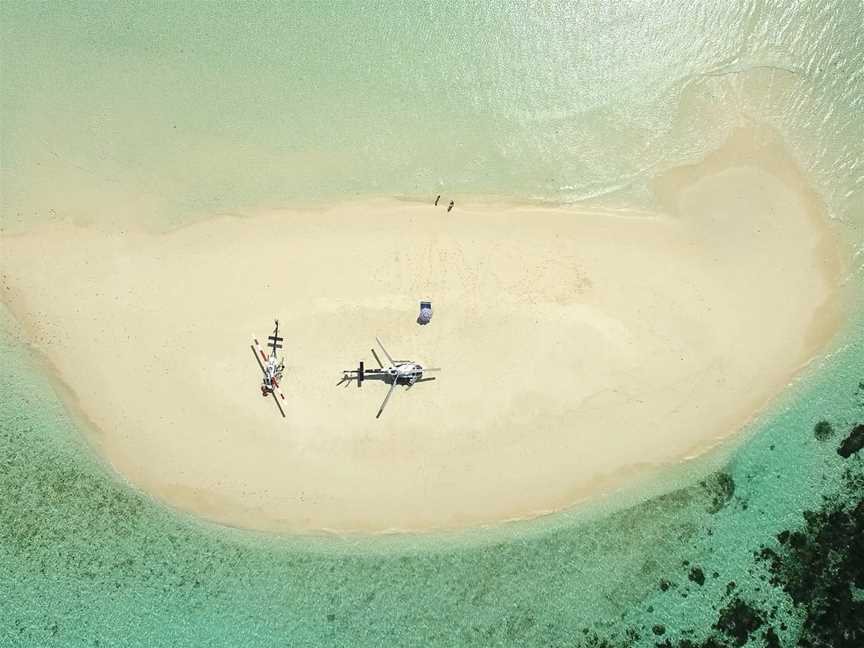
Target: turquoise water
163,116
87,561
172,114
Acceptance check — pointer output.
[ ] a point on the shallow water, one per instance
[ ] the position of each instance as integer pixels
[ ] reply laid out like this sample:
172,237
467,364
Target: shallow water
88,561
173,114
117,113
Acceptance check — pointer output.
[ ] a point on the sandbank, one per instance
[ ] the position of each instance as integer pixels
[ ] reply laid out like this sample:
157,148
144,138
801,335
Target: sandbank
580,347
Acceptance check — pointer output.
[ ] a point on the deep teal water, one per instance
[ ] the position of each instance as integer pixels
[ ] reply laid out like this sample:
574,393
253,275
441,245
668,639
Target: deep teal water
170,113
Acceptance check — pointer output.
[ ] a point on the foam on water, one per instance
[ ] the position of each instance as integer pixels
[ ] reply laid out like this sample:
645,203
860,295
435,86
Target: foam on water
125,112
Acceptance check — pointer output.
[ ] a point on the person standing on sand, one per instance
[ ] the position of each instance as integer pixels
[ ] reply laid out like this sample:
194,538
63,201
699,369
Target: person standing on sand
450,206
437,199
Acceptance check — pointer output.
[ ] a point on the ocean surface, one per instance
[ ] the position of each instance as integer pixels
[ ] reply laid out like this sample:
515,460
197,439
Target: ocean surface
165,114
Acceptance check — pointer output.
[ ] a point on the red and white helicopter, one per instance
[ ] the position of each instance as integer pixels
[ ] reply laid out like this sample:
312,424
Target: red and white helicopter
400,372
271,366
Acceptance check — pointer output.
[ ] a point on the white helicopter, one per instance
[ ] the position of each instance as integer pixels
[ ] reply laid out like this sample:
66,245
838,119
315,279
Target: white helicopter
271,366
400,372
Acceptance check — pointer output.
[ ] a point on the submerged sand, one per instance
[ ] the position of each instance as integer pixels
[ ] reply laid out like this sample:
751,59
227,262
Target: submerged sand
580,347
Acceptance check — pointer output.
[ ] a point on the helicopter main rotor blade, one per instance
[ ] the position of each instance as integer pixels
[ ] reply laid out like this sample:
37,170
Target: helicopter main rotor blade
387,397
260,350
377,339
278,404
260,364
425,369
377,359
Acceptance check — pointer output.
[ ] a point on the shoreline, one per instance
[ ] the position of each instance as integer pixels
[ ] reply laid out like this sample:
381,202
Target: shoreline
120,435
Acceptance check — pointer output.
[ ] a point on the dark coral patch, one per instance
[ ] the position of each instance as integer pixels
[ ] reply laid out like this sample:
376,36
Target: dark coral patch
853,443
697,576
771,639
720,488
739,619
823,430
821,568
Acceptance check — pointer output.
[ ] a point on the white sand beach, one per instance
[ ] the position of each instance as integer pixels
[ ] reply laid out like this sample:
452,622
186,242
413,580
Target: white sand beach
580,347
